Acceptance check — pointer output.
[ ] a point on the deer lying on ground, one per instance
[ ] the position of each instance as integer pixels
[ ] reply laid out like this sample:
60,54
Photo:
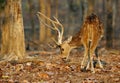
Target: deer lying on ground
89,35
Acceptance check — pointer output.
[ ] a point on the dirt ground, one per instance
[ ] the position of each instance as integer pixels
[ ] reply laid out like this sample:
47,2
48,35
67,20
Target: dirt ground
49,68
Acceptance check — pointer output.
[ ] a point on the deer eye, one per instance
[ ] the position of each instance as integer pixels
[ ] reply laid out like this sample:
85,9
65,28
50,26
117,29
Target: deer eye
62,49
59,46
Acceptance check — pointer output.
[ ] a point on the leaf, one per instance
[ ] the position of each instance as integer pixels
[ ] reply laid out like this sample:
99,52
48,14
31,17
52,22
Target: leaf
1,73
43,75
5,77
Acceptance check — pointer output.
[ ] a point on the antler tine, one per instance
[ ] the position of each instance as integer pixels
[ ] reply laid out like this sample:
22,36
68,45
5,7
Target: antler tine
62,30
40,19
60,33
47,18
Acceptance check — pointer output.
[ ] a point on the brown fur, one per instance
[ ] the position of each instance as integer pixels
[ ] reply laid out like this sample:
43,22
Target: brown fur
92,28
88,36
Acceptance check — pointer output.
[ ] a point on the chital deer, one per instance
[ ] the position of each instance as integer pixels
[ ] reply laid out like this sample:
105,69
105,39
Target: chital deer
88,36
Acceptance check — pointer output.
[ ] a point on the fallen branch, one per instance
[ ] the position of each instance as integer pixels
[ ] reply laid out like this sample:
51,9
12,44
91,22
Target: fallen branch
40,52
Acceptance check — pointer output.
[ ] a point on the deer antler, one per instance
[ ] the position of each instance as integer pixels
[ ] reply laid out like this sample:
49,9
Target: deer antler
54,23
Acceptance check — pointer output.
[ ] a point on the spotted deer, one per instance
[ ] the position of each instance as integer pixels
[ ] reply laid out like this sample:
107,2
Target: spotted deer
89,35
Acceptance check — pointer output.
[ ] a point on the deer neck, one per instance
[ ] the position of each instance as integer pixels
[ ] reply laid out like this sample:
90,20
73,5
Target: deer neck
76,40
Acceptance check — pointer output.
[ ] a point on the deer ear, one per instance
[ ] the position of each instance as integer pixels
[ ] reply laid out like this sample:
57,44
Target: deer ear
69,39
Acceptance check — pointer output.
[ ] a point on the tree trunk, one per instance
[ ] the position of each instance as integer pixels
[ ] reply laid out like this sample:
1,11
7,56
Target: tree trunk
56,8
91,4
85,8
2,5
42,32
0,28
13,46
118,21
73,8
109,27
48,14
114,20
31,12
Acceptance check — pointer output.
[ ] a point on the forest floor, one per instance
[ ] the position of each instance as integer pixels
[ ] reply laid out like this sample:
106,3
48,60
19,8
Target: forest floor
49,68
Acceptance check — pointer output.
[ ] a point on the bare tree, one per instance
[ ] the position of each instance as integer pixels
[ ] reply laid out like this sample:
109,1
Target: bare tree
45,8
85,8
42,33
56,8
13,47
91,4
114,8
48,8
2,5
73,8
109,27
31,12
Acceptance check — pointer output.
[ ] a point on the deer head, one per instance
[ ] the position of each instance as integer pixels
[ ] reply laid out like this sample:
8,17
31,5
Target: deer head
57,26
65,48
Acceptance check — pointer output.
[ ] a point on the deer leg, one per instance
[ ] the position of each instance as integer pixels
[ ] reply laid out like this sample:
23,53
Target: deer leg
99,62
98,58
92,50
84,61
88,63
91,62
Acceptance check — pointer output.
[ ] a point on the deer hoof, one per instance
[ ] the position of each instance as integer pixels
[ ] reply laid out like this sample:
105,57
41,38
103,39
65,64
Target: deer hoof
83,69
93,71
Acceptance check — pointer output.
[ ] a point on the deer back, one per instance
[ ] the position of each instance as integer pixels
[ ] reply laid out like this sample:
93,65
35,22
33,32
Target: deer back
91,30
